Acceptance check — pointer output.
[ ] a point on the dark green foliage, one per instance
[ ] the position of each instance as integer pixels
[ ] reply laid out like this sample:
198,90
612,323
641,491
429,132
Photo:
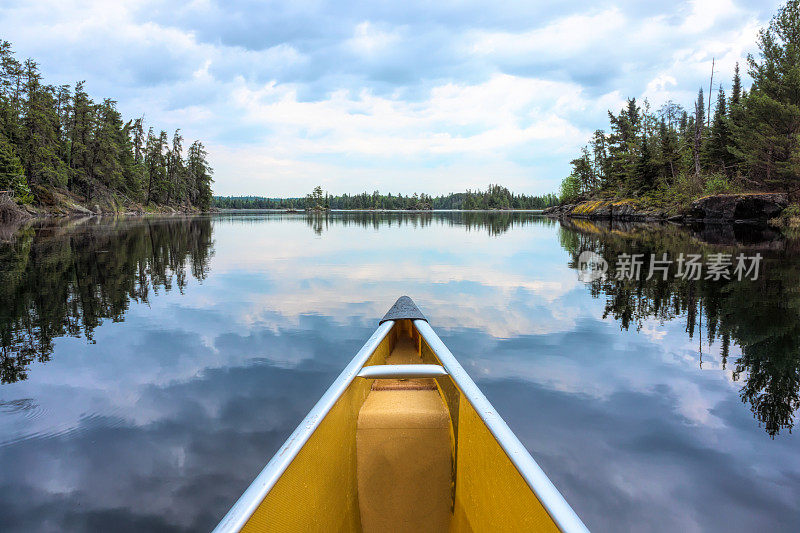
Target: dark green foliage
624,146
108,145
176,171
570,189
599,152
699,130
584,170
155,166
61,138
767,139
133,161
718,157
670,160
199,174
752,142
38,135
736,88
11,93
12,175
647,168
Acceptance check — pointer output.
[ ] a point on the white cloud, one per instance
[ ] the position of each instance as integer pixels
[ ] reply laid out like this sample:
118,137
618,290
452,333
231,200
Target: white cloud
368,40
288,96
705,13
575,34
368,124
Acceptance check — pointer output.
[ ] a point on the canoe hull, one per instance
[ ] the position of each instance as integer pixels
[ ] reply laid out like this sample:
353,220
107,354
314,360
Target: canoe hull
496,484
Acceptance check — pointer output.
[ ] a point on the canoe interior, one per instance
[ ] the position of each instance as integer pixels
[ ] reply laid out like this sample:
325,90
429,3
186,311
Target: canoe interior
319,489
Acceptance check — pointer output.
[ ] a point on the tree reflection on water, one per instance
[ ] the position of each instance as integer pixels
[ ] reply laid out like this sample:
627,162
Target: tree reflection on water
65,279
495,223
761,316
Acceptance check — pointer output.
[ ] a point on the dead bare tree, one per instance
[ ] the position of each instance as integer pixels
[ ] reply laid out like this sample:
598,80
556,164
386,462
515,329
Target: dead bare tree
710,89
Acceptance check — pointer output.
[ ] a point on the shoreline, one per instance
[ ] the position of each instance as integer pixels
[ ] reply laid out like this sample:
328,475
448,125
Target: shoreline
28,212
754,208
59,203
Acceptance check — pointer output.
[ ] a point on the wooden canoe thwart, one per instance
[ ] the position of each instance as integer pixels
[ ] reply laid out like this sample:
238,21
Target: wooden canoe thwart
403,441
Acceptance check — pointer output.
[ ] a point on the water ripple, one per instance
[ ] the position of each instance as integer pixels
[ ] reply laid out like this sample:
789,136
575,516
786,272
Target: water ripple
30,411
26,407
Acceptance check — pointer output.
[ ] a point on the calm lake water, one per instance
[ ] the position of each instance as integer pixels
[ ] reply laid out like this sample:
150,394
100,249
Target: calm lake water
150,368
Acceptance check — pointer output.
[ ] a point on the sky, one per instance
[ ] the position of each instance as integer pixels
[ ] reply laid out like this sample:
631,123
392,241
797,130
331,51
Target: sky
412,96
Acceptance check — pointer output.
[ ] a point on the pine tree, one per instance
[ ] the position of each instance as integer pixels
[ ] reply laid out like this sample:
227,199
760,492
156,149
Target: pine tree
10,93
109,143
623,146
582,169
736,88
12,175
719,158
162,189
699,122
600,157
768,140
130,182
81,125
135,168
39,143
647,167
199,173
63,108
736,120
175,170
633,122
686,146
669,152
154,166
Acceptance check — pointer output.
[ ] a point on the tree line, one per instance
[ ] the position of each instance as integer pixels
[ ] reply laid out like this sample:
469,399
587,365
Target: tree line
56,137
750,141
494,197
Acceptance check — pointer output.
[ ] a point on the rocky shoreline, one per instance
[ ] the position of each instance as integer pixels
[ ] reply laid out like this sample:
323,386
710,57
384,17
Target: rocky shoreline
60,203
750,208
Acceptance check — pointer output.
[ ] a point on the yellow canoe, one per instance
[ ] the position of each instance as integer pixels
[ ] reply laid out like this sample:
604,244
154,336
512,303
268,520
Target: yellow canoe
402,441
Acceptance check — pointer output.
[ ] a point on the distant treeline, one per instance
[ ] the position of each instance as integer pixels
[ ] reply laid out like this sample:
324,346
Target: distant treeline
750,141
57,137
495,197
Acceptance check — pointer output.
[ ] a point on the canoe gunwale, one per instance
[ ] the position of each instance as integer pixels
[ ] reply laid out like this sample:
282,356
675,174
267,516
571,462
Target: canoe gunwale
551,499
252,497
